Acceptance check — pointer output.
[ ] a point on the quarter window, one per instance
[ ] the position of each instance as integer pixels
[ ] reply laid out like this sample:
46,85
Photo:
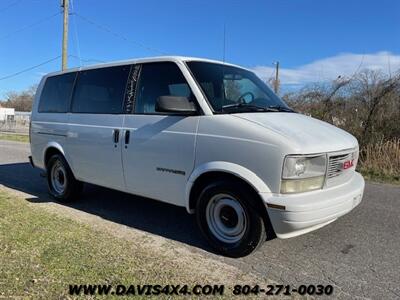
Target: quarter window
100,90
159,79
56,93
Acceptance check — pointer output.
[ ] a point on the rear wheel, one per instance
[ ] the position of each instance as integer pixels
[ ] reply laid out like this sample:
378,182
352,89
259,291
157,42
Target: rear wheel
61,182
228,220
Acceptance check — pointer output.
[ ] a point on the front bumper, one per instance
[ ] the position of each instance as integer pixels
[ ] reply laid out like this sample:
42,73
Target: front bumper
296,214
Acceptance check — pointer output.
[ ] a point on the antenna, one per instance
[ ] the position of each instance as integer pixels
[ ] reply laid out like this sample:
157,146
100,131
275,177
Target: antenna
224,45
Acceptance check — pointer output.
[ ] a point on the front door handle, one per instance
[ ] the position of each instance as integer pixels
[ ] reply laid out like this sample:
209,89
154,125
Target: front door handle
127,136
116,135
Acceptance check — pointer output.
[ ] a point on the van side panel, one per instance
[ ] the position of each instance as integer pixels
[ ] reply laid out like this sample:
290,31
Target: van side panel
34,143
225,138
95,125
94,157
46,128
160,156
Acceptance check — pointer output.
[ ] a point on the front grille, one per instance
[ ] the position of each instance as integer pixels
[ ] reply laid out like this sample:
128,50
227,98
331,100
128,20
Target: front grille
335,167
336,172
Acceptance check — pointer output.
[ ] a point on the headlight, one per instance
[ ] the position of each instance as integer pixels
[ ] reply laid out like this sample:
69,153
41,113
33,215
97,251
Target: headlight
303,173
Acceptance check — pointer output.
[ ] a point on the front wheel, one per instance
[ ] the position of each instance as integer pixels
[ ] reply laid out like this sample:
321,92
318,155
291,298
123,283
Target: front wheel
228,220
61,182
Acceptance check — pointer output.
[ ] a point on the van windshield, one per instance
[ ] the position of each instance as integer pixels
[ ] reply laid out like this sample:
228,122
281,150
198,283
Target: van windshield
232,90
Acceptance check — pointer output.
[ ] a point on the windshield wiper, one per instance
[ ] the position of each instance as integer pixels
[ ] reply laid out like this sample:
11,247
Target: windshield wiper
281,108
246,106
256,107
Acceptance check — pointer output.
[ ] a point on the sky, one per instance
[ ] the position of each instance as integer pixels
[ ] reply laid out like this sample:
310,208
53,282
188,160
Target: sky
313,40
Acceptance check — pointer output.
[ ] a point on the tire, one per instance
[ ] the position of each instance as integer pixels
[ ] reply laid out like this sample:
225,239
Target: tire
228,220
61,182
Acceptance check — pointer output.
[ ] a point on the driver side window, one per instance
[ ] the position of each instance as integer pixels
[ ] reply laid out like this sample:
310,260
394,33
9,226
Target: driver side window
159,79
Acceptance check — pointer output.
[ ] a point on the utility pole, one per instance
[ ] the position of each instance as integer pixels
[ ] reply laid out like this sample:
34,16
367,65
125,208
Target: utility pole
276,82
65,6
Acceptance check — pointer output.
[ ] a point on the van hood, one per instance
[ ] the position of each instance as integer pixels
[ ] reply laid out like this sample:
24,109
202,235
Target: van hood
306,135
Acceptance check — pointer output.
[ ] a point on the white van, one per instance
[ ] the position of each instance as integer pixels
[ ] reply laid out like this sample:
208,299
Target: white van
202,134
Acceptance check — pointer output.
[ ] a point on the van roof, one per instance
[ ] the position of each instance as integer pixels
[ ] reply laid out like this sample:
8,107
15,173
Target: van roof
140,60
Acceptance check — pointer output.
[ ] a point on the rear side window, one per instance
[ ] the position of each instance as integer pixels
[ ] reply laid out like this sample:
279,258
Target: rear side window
56,93
159,79
100,90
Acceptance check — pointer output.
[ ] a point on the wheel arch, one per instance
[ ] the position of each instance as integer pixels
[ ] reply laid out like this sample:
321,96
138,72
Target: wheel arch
213,170
51,149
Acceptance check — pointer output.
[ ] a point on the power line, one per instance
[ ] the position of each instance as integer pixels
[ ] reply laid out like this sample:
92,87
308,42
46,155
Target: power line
358,68
46,62
272,73
30,26
78,48
86,59
9,6
106,29
361,63
30,68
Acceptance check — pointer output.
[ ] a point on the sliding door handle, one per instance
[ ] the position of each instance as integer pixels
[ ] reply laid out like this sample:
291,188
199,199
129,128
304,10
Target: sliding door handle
127,136
116,135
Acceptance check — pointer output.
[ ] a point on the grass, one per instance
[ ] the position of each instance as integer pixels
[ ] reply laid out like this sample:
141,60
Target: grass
14,137
41,253
381,161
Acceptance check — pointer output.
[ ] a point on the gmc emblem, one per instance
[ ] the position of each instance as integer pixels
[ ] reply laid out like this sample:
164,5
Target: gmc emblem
348,164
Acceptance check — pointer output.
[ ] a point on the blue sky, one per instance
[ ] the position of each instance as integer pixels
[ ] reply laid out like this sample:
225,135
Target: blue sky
313,40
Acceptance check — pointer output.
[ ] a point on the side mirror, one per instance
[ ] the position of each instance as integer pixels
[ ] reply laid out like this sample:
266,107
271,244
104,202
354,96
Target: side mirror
175,104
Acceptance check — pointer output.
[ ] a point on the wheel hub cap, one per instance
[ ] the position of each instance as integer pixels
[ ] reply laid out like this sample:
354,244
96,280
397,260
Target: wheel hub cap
226,218
58,178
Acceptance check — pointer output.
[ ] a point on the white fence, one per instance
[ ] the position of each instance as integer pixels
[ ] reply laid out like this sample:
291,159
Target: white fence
17,122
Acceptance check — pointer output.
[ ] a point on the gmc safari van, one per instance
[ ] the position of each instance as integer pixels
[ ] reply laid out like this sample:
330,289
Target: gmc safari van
202,134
